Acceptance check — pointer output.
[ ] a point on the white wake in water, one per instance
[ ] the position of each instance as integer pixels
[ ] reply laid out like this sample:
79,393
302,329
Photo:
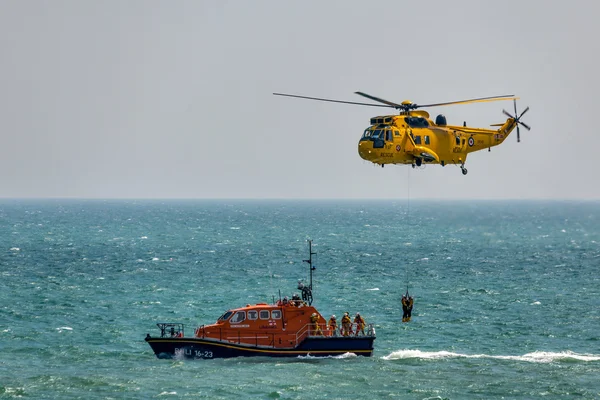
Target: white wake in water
341,356
536,357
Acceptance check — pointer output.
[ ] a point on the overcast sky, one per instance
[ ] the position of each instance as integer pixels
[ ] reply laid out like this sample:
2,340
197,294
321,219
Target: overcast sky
173,99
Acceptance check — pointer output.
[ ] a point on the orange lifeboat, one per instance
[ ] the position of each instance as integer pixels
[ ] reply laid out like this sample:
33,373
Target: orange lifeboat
287,328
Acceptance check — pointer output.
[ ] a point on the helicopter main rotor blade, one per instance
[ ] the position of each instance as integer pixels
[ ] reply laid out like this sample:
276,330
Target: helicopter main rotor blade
330,100
478,100
389,103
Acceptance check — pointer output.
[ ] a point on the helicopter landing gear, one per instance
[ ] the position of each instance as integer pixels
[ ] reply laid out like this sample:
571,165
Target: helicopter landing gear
463,169
418,161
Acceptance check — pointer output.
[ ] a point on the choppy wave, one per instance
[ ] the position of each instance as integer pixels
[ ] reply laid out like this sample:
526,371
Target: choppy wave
64,328
536,357
346,355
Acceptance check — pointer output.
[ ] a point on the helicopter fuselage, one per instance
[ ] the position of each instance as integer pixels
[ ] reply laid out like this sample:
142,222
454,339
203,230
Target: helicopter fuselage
413,138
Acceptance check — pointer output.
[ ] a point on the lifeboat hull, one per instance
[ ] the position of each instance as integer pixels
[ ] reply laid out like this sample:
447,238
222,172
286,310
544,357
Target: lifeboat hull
205,348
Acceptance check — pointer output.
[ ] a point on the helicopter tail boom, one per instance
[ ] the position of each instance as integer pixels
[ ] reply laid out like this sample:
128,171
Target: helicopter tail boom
512,122
504,131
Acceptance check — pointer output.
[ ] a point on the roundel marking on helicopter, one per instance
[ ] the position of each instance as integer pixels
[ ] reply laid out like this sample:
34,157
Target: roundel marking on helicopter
471,141
397,147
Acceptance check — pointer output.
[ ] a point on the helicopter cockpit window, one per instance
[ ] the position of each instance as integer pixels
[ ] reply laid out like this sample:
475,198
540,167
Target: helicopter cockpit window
416,122
388,135
418,139
367,134
377,133
427,139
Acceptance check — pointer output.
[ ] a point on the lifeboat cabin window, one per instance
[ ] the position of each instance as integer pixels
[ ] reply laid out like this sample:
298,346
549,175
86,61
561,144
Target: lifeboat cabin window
264,314
238,317
276,314
253,314
225,316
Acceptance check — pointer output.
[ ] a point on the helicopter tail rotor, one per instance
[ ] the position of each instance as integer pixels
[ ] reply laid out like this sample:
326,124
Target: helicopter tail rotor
517,120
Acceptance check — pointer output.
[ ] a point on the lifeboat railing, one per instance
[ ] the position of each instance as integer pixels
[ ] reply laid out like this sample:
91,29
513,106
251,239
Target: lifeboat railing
309,331
170,329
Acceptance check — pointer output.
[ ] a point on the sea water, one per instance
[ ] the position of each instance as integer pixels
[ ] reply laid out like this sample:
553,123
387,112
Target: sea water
507,296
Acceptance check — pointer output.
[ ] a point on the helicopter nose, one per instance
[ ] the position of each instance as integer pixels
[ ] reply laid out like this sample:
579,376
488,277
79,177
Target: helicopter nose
364,149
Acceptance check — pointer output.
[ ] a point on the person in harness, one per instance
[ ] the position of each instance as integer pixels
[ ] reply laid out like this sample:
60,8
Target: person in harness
407,306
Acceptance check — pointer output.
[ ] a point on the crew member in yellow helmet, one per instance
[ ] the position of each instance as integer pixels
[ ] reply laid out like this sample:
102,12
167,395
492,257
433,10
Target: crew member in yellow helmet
314,319
332,326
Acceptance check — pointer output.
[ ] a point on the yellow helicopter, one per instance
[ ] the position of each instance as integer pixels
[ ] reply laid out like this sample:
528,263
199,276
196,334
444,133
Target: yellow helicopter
413,138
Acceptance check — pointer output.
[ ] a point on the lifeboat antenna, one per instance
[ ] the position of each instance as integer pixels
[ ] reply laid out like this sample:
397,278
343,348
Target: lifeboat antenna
307,291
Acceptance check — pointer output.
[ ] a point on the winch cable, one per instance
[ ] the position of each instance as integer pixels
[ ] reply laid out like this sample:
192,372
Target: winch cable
408,221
